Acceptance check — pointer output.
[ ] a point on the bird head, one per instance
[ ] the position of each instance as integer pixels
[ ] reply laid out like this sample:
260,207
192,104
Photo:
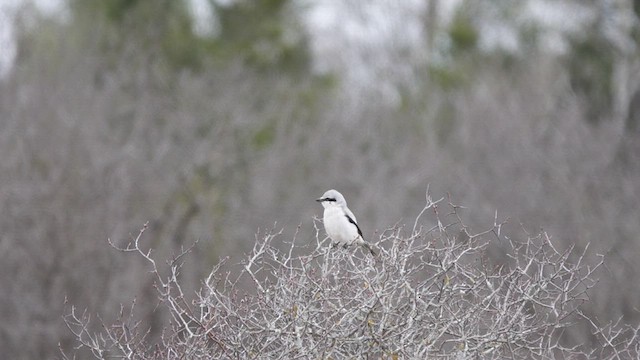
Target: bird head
332,198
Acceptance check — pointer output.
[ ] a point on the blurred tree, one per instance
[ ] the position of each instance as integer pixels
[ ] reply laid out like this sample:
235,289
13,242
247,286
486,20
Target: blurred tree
628,154
591,67
462,31
162,28
137,118
607,37
265,33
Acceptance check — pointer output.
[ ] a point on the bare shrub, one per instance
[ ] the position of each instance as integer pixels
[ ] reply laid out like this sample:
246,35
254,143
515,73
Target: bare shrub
431,292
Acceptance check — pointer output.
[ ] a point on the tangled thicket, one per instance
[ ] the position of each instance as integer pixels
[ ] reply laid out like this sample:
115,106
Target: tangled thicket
431,292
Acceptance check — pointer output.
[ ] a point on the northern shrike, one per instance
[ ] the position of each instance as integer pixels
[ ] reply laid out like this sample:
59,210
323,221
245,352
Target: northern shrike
339,222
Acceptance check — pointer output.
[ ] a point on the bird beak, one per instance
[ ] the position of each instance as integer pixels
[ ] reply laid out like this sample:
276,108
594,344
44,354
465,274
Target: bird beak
319,199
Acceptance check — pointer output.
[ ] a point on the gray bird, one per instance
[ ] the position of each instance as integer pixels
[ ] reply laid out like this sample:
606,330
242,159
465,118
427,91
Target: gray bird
339,222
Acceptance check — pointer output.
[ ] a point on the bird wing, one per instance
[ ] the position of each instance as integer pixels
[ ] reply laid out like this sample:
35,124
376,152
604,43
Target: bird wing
352,220
349,214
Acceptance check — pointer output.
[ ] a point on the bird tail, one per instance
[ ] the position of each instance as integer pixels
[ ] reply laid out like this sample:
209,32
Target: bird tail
369,247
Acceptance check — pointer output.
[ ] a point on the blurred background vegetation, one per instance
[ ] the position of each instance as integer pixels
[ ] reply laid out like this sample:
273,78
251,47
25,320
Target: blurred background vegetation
215,119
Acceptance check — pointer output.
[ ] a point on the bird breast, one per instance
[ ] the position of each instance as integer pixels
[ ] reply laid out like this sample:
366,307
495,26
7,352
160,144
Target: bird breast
338,227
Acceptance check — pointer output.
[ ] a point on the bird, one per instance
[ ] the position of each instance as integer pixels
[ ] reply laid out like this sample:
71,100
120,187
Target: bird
339,222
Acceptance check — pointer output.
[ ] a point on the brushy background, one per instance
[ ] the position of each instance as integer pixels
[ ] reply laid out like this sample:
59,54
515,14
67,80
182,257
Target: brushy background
214,120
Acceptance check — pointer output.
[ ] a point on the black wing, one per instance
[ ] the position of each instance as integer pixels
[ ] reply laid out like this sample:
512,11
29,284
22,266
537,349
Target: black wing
354,223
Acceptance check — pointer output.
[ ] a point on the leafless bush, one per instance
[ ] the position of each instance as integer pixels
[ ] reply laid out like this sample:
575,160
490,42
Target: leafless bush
432,292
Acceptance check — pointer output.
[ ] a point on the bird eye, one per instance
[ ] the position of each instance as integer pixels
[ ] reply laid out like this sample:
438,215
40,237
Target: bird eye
331,199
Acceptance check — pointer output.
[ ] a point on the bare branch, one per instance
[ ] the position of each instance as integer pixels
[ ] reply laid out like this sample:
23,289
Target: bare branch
427,295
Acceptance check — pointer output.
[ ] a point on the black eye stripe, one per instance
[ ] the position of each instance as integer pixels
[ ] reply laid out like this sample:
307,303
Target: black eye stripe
330,199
